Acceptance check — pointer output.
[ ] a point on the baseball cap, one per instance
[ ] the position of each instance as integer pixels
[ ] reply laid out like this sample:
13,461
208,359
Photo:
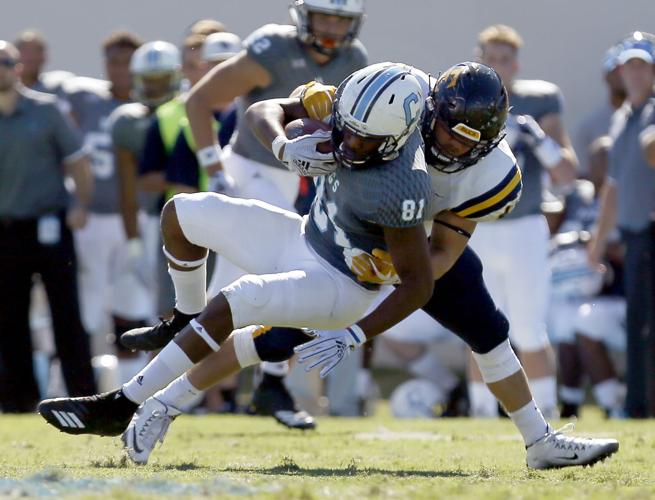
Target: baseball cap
639,45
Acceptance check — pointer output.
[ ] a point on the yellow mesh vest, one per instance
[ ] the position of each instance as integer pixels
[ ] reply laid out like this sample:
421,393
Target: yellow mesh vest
173,120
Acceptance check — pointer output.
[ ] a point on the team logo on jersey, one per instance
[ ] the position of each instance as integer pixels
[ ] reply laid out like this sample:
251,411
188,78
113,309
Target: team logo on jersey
468,132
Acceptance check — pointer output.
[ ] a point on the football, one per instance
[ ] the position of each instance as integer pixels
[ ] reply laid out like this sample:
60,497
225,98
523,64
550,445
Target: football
307,126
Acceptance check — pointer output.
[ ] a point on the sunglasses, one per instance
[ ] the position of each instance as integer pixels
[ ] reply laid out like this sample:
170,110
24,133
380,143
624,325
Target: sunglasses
7,63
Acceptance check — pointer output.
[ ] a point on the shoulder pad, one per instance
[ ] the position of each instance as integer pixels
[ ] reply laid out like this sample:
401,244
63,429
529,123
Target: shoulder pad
83,84
535,87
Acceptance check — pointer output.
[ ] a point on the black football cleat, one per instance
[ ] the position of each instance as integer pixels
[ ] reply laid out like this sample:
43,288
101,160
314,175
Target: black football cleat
106,414
272,398
151,338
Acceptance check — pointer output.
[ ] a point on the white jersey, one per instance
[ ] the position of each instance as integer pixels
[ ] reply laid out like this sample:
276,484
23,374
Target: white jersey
485,191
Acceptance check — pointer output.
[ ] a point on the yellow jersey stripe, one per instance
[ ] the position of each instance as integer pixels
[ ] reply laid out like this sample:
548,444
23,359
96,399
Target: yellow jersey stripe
493,200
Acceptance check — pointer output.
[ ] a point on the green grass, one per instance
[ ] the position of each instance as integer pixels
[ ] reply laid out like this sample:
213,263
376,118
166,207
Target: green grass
345,458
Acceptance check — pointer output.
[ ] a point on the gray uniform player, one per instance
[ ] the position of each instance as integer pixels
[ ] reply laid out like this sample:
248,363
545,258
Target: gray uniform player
322,45
106,291
293,284
515,250
155,69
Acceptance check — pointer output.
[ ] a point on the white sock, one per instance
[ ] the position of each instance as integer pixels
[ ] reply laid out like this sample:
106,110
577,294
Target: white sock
571,395
190,289
277,369
180,394
483,402
169,364
609,394
544,392
530,422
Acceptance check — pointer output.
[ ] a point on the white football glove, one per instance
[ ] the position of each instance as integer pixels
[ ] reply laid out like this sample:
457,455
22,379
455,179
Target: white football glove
300,154
525,129
136,262
221,182
329,348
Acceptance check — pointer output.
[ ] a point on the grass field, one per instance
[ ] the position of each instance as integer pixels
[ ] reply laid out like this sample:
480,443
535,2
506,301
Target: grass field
216,456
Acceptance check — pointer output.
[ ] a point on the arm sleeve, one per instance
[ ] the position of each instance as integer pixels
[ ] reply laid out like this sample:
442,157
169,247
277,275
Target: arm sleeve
153,158
182,166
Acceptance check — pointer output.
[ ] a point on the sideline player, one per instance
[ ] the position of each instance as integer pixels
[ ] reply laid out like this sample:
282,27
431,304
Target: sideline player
515,250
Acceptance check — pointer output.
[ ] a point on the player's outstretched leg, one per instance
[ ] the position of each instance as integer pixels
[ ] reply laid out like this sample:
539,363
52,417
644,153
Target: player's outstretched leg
546,448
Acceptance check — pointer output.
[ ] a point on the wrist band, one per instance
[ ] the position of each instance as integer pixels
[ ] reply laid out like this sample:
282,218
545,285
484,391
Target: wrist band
357,333
548,152
209,155
277,144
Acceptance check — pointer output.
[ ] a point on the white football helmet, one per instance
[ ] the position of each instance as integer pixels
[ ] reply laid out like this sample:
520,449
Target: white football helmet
382,102
220,46
155,68
300,11
417,398
571,275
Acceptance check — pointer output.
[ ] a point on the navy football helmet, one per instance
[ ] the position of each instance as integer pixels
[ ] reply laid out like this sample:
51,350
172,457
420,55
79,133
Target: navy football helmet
471,103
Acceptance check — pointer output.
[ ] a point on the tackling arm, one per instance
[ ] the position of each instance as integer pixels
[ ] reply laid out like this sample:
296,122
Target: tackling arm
411,258
448,239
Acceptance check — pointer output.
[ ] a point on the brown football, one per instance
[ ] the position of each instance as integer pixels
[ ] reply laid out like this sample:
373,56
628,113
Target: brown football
307,126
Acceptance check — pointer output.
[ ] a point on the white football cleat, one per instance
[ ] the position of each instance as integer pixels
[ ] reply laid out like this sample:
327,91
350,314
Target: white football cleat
557,450
148,425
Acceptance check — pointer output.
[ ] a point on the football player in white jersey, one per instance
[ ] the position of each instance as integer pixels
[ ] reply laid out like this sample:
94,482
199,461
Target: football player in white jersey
110,300
463,125
515,250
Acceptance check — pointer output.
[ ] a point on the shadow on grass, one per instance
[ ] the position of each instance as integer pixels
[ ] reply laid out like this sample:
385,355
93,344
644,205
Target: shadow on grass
348,471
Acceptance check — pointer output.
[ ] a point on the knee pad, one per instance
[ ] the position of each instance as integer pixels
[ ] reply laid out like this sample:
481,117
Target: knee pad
497,364
248,292
244,346
277,343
